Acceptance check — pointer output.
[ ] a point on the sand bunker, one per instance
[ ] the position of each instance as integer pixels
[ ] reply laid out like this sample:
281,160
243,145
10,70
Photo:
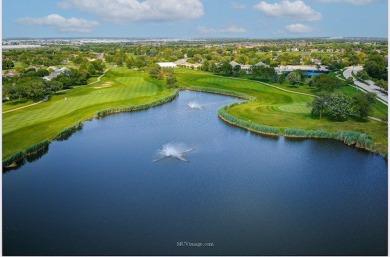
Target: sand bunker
106,84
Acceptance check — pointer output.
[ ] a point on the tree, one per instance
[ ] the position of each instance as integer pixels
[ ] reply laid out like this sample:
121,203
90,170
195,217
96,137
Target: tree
362,104
320,104
171,80
198,58
77,60
242,59
326,83
98,65
263,72
8,64
130,63
281,78
141,61
374,69
153,70
236,69
382,84
294,78
54,85
226,69
205,66
339,106
42,72
350,81
362,75
91,70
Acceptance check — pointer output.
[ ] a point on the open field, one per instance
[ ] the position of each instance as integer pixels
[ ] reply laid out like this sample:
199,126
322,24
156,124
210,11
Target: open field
281,109
25,127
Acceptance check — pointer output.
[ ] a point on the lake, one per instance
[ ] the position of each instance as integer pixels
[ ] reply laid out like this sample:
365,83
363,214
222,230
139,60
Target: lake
100,193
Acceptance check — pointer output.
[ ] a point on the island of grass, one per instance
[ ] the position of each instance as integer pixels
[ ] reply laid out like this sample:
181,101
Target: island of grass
122,89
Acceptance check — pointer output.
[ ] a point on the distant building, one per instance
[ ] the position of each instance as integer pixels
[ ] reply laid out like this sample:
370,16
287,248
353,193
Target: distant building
167,64
55,73
305,68
183,63
244,67
247,68
233,63
261,64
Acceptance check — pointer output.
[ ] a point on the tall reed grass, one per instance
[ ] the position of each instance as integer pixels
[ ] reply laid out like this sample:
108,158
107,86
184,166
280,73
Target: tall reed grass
133,108
20,156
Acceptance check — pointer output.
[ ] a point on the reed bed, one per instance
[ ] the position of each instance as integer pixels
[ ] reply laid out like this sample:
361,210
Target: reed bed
262,129
360,140
220,92
133,108
66,133
20,156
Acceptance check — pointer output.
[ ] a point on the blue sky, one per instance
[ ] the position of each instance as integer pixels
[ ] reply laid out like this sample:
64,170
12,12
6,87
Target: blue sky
195,18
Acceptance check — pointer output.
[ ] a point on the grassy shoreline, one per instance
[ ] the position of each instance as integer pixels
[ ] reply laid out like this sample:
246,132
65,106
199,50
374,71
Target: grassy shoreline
66,133
267,109
119,88
122,90
350,138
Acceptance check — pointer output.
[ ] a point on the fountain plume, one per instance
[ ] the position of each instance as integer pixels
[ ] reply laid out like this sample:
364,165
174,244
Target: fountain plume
195,105
173,150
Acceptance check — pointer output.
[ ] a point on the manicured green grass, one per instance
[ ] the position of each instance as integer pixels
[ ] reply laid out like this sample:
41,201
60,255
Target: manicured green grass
120,87
281,109
9,105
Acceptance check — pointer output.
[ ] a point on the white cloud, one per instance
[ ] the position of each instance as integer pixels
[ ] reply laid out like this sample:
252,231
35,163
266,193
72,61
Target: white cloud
60,23
298,28
225,30
354,2
294,10
123,11
238,6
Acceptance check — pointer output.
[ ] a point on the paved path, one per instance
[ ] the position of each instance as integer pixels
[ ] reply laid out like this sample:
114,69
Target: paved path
26,106
371,88
99,78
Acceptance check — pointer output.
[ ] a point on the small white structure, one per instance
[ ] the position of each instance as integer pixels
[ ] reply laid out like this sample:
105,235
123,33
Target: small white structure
167,64
261,64
308,68
246,68
183,63
55,73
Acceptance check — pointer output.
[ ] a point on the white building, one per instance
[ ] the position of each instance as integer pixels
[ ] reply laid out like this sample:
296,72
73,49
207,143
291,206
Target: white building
309,68
244,67
56,73
167,64
247,68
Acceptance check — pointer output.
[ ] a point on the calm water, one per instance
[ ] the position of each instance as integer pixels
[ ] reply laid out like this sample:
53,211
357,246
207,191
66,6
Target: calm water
99,193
